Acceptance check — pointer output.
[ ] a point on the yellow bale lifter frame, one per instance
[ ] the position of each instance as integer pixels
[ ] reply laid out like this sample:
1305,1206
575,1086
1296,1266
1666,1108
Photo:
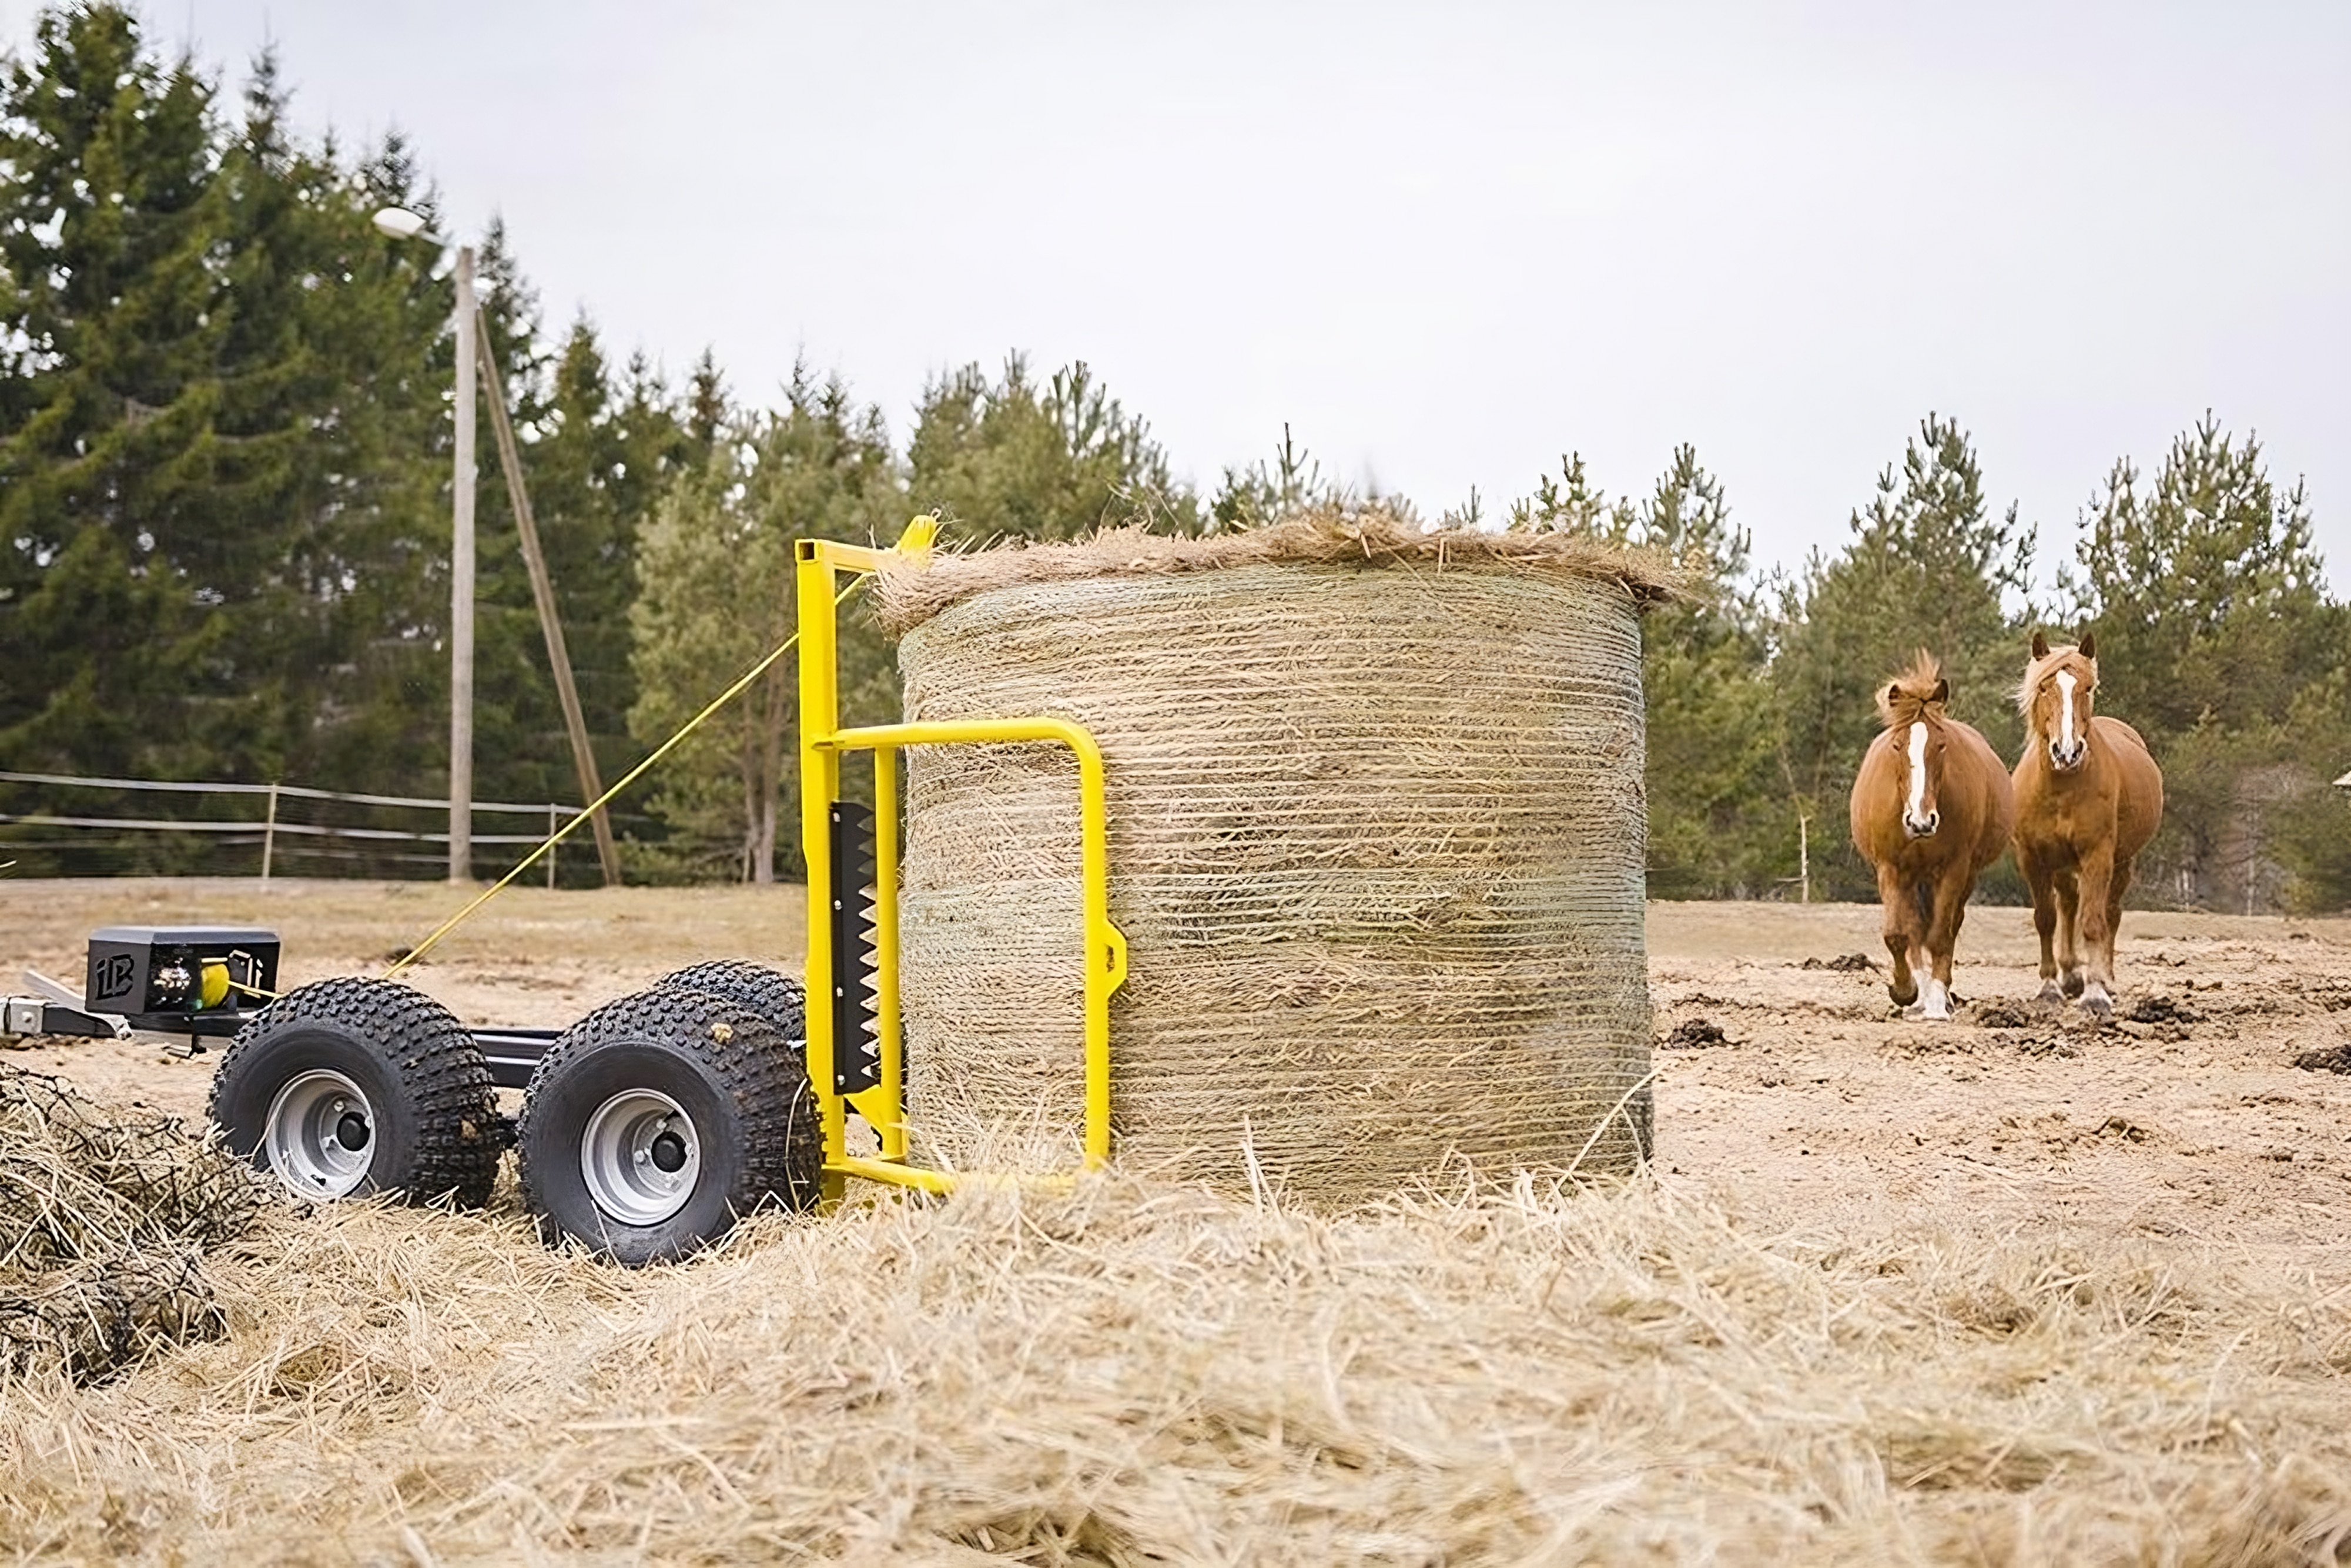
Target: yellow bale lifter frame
849,1067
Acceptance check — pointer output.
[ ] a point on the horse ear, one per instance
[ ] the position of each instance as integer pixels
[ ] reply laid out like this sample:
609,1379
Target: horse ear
1942,691
2039,646
2089,644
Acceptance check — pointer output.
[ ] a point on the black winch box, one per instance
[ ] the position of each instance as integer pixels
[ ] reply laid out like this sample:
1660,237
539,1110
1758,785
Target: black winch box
178,970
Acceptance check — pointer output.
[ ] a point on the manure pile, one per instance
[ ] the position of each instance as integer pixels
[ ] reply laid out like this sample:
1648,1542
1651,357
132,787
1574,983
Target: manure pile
104,1217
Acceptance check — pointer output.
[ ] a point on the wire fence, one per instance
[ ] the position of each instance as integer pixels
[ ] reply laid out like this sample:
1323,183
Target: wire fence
59,824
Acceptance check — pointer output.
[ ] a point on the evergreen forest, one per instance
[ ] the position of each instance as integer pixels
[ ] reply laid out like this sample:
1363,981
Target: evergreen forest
225,535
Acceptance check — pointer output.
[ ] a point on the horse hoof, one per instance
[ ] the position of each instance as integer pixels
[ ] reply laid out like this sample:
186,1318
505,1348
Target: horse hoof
1936,1007
2072,986
2096,1003
2050,993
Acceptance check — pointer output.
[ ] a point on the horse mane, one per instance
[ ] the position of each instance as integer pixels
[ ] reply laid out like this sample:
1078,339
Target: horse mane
1912,693
2039,670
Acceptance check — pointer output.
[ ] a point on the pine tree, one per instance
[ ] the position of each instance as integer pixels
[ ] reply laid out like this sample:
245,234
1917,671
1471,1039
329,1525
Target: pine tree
1573,504
108,216
1717,824
2312,830
199,462
203,476
384,328
1926,568
2205,592
597,453
1260,492
704,419
320,474
224,435
2213,631
1010,458
716,567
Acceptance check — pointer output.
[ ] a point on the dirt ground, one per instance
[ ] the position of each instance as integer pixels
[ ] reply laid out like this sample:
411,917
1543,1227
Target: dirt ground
2187,1118
1784,1081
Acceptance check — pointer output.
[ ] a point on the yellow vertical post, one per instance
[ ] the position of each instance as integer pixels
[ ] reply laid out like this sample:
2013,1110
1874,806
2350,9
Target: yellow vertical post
820,787
1105,945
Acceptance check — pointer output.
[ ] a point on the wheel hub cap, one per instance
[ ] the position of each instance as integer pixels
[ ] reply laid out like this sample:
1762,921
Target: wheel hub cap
640,1156
319,1134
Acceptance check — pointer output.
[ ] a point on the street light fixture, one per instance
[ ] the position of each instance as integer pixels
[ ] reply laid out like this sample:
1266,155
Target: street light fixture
474,357
399,221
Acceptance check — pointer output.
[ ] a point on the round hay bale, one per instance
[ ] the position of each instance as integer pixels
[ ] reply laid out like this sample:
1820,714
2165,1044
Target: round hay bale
1375,829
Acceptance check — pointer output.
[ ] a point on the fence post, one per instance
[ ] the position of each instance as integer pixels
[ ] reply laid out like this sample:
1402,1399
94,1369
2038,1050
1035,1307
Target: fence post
270,834
1804,856
552,850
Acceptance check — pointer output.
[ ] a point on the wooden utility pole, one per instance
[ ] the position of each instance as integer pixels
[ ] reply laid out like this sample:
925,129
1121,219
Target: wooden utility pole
543,593
461,590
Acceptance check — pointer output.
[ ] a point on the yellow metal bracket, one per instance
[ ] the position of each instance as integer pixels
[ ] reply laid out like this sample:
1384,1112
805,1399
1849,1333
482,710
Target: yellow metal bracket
822,744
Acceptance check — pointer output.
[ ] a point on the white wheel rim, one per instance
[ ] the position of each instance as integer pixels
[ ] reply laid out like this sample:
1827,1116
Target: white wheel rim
640,1156
320,1134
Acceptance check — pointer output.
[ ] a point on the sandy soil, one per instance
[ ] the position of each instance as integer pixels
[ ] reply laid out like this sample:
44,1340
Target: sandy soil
2187,1118
1788,1084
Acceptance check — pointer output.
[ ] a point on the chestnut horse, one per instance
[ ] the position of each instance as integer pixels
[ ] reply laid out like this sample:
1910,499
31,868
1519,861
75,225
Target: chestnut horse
2089,797
1931,807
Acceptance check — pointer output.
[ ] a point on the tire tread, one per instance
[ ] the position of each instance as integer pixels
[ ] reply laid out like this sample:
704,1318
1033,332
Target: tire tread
752,1061
430,1054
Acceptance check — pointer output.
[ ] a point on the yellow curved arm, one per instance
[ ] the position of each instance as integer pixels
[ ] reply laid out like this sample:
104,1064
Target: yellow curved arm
822,742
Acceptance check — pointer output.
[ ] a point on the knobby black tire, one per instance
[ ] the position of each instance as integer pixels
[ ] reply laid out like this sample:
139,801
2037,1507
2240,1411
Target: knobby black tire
740,1081
774,996
436,1135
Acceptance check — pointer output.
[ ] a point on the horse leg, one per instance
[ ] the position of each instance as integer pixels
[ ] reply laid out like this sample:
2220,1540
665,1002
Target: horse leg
1951,891
1899,919
2099,929
2038,881
2068,887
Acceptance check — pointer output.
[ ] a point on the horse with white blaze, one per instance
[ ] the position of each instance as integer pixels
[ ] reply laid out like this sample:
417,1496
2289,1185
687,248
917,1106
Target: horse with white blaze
2089,797
1931,807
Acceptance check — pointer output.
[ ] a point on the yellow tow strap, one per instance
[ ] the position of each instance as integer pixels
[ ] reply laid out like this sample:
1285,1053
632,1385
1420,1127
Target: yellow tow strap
633,774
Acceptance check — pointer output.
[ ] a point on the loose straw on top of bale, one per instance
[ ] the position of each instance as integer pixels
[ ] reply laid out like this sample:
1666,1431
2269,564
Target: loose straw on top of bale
1375,834
907,593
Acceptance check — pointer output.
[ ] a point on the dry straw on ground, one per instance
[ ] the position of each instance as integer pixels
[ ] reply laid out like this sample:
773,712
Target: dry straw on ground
103,1218
1143,1372
1375,841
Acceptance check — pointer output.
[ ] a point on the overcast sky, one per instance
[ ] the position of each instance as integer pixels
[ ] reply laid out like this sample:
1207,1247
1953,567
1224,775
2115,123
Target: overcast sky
1446,243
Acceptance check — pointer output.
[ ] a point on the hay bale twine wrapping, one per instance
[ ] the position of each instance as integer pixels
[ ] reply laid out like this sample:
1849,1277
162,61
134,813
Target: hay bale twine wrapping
1377,834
